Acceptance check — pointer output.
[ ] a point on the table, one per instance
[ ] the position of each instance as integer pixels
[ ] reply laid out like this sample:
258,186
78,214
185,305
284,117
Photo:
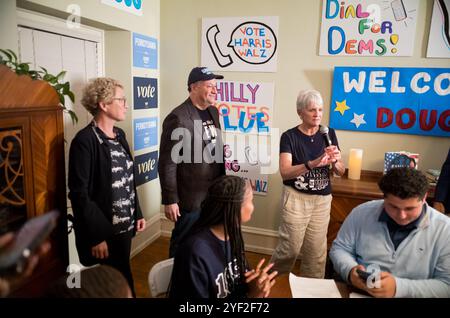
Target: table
281,289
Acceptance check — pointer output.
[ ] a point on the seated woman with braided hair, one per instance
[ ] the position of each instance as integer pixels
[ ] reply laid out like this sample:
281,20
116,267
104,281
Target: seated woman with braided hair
211,262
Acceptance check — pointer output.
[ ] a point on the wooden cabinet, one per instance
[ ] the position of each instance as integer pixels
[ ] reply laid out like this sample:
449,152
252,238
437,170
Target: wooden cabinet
32,179
348,194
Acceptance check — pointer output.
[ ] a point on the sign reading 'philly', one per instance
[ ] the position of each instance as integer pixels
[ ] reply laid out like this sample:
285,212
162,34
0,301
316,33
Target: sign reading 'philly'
145,92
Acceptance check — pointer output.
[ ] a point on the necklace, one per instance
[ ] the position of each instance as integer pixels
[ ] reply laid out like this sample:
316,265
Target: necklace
311,137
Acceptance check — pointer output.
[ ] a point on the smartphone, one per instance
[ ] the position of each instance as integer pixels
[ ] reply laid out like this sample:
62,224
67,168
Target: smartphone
250,156
30,236
362,274
398,8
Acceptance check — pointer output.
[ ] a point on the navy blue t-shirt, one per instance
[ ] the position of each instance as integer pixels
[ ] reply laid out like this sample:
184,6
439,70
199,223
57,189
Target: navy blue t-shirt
200,269
305,148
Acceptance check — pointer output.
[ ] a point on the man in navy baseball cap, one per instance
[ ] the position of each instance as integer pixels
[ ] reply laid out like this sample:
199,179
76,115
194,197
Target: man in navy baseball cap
201,74
185,174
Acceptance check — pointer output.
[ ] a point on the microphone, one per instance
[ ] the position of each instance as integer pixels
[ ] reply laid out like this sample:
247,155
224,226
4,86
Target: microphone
324,131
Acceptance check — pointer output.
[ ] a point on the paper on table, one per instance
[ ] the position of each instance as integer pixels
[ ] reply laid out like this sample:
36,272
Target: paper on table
302,287
358,295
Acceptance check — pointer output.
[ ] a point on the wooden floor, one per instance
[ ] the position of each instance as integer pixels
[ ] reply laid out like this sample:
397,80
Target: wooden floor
144,261
158,251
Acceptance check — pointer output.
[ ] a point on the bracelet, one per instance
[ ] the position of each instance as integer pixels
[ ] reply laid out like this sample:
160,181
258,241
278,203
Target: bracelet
307,166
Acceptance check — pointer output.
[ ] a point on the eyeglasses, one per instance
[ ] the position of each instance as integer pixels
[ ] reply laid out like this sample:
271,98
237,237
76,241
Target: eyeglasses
122,100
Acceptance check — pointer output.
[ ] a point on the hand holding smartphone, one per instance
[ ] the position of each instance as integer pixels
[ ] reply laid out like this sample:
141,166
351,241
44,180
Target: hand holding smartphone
14,255
363,274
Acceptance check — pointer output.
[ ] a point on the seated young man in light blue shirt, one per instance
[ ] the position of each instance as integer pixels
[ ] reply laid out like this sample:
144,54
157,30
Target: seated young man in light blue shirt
403,237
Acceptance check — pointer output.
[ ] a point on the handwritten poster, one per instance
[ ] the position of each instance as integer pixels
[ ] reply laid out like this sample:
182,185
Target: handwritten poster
398,100
368,27
439,38
245,107
240,44
129,6
241,159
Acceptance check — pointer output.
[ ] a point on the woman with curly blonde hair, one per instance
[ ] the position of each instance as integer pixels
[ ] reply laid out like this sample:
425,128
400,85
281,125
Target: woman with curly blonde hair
101,181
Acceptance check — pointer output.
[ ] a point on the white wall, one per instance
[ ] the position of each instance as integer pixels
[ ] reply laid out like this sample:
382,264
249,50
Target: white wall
93,11
299,67
8,39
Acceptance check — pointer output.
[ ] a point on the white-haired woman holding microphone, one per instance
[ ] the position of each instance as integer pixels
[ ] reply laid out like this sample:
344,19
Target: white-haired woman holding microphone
306,161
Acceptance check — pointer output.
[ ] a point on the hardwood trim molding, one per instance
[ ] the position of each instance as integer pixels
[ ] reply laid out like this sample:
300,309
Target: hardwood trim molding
149,235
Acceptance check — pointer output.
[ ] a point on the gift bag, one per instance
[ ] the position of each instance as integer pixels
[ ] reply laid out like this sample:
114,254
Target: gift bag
398,159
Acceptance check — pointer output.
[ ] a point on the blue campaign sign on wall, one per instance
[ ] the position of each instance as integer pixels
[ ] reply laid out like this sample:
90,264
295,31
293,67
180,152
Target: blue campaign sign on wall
145,51
391,100
146,167
145,92
145,132
131,6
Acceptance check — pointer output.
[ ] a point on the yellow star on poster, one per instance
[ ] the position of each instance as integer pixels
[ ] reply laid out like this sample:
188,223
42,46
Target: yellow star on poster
341,107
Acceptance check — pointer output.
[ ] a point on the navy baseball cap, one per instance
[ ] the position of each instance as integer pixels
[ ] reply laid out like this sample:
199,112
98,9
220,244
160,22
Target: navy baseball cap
202,74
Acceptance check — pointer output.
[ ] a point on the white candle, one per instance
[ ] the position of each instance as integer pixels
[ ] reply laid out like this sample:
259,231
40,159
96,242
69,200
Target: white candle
354,164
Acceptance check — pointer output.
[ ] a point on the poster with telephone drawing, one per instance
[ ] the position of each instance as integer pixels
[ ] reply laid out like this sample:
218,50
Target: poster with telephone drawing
244,158
368,27
439,39
243,44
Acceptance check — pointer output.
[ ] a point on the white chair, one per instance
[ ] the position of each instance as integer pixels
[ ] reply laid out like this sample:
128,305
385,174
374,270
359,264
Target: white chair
159,277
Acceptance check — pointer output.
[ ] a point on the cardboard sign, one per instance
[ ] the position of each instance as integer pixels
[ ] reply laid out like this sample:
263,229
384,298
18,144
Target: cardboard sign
245,44
402,100
130,6
368,27
245,107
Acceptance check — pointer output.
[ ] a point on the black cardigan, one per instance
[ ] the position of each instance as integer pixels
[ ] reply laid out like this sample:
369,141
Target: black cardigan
90,190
